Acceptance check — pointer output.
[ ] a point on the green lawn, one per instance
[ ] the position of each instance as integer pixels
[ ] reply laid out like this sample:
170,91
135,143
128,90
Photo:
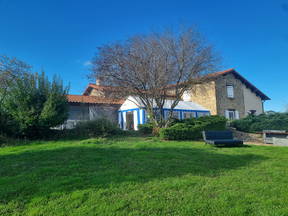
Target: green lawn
142,176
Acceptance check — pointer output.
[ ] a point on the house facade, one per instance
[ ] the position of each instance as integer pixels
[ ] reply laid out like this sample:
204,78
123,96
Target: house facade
225,93
86,107
132,112
229,94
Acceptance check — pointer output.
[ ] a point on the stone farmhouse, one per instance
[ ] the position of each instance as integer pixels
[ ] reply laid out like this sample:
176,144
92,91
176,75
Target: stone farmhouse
225,93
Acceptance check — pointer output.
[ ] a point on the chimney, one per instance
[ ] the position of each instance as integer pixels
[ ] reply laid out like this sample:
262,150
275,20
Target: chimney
98,81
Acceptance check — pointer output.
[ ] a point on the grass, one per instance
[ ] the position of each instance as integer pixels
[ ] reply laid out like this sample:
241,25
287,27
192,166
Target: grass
142,176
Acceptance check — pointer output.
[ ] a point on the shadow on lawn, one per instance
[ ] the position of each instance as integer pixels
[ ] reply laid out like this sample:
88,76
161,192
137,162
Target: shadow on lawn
40,173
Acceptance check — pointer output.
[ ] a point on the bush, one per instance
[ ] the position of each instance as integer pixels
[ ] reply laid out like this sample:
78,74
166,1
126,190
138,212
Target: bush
3,140
268,121
8,126
98,127
146,129
6,141
190,129
34,104
177,133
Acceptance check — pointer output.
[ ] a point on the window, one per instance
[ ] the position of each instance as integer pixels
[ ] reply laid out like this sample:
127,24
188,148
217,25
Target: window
200,114
252,112
189,115
230,91
232,114
175,114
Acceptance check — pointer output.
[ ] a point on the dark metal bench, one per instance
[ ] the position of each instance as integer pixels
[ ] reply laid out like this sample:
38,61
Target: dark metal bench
221,138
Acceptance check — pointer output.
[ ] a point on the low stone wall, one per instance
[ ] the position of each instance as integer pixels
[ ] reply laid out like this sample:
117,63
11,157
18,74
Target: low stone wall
280,141
247,137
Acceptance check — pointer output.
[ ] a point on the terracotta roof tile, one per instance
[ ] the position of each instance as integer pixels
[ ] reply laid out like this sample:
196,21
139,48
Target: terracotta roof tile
93,100
219,73
204,78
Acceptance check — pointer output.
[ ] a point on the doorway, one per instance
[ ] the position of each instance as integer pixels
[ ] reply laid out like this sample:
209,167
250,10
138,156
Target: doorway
130,120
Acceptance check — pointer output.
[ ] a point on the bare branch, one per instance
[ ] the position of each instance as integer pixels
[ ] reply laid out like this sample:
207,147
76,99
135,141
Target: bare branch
155,67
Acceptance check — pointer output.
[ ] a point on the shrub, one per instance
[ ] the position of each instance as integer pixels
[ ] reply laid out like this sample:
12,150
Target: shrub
146,129
7,125
243,124
190,129
176,133
98,127
35,105
268,121
2,139
6,141
3,122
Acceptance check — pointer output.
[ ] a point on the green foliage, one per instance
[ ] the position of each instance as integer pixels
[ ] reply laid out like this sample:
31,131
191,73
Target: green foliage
98,127
11,69
8,141
35,104
190,129
268,121
7,125
3,139
146,129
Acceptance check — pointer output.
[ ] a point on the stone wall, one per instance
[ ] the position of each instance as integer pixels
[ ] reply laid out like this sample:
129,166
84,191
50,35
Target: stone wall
205,95
225,103
97,93
247,137
106,93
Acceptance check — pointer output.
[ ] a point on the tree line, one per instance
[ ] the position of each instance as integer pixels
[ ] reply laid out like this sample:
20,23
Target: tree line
30,104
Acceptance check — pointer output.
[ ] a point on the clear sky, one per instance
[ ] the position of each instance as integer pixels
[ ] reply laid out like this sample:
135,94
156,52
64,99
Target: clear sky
61,36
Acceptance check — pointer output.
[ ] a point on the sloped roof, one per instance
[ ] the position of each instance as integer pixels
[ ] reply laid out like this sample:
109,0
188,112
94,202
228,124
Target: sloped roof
215,75
100,87
202,79
93,100
242,79
135,102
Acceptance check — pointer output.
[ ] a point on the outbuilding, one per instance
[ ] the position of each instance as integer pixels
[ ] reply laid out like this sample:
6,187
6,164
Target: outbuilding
133,112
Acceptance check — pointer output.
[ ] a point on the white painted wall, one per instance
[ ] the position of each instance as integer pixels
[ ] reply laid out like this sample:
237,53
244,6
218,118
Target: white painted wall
124,120
135,116
186,96
252,101
119,119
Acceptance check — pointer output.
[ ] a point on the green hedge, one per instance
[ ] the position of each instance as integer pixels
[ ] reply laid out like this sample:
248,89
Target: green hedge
2,139
145,129
7,125
96,128
268,121
191,129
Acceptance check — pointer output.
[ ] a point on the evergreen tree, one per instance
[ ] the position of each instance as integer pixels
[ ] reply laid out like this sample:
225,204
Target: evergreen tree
35,104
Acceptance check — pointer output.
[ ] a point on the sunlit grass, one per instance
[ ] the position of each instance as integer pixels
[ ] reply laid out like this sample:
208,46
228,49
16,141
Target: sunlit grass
142,176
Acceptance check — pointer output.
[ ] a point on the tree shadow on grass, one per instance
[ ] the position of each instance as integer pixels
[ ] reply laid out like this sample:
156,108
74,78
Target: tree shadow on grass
29,174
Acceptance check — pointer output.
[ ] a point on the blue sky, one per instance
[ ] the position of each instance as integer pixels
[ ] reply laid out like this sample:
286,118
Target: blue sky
61,36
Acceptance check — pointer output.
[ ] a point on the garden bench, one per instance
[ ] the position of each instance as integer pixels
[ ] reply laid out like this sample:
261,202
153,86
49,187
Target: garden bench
221,138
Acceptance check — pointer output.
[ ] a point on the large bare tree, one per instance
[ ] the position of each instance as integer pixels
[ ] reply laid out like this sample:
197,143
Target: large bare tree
10,70
155,67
